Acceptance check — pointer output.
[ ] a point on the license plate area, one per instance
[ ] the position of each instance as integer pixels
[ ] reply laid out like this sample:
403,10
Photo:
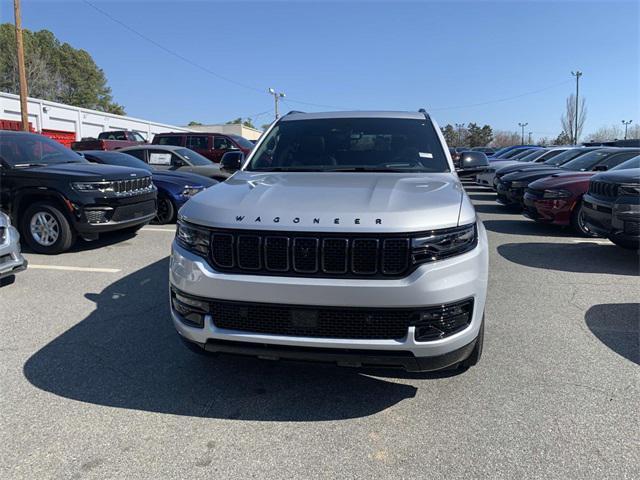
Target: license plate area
307,319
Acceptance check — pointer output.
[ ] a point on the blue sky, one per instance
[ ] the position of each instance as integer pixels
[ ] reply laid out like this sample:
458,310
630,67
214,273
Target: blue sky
358,55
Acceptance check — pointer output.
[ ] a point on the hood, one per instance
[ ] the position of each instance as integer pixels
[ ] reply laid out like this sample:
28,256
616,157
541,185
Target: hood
183,178
627,176
331,201
82,171
529,174
560,180
521,166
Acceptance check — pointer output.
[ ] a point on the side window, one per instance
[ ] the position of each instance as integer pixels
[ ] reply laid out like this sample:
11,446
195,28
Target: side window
137,153
170,140
159,158
222,143
198,142
137,137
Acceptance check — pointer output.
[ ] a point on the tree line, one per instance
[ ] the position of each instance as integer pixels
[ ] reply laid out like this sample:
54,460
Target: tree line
55,71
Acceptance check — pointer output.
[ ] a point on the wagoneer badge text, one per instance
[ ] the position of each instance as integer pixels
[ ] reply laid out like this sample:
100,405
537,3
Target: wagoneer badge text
316,220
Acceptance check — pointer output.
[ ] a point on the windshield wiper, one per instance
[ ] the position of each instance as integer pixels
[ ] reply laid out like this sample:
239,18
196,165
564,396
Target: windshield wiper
286,169
27,165
373,169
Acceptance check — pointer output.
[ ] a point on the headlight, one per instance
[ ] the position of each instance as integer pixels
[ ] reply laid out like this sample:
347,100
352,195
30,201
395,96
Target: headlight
520,184
193,238
190,191
632,190
556,194
93,186
442,244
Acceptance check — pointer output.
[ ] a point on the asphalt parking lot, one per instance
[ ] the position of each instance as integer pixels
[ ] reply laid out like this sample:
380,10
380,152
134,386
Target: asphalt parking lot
95,383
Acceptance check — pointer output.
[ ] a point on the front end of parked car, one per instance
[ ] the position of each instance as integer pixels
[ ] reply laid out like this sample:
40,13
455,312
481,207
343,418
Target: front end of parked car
553,199
109,205
281,283
11,259
612,206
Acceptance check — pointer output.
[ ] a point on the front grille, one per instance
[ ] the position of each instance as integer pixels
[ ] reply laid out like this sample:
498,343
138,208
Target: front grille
297,253
353,323
96,216
603,189
133,211
632,228
134,185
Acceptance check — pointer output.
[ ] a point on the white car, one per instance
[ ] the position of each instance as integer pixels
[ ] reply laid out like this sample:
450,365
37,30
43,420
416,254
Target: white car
344,237
11,259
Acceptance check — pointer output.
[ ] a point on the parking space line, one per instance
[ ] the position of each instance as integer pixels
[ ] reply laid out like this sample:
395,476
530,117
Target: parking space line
73,269
155,229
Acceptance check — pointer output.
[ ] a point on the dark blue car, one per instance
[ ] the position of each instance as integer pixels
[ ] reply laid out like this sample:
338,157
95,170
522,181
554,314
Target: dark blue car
174,188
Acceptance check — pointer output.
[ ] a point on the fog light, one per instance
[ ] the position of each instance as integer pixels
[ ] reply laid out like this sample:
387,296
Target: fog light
191,310
439,322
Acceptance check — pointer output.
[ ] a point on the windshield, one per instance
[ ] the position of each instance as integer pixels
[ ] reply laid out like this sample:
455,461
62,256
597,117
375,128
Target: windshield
516,151
243,142
631,163
531,156
351,144
566,156
21,150
194,158
587,161
119,159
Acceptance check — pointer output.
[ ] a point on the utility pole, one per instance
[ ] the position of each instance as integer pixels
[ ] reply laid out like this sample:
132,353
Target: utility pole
626,124
460,126
276,97
530,137
576,74
21,69
522,125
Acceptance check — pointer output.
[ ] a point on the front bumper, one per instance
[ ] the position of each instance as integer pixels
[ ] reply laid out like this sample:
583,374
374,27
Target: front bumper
557,211
485,179
115,214
508,195
439,283
11,259
619,219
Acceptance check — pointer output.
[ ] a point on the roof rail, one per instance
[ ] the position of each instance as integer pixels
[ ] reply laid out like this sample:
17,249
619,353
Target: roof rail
293,111
424,112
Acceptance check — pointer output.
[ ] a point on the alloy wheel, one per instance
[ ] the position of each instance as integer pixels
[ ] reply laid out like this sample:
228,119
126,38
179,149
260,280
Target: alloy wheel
44,228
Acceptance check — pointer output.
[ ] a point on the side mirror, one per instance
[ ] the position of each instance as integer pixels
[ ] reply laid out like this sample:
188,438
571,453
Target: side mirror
231,161
472,162
600,168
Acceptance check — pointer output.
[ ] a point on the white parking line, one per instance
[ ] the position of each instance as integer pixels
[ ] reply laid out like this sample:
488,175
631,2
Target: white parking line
73,269
587,240
155,229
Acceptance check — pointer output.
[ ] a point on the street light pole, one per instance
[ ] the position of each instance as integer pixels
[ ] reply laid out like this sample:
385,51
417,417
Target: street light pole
576,74
530,137
522,125
626,124
21,68
460,126
276,97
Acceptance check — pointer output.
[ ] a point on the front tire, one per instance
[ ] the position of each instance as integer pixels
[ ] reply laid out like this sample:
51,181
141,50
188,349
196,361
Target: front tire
166,211
46,229
578,223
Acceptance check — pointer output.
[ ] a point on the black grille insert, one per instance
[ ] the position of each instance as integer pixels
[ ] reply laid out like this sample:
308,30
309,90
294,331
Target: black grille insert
299,253
603,189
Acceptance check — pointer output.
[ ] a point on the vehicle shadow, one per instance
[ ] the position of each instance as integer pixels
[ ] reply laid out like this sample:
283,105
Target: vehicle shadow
584,257
104,240
524,226
126,354
617,326
487,197
493,208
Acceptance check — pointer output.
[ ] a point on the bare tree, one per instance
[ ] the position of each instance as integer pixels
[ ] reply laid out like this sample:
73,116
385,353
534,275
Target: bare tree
503,138
568,118
603,134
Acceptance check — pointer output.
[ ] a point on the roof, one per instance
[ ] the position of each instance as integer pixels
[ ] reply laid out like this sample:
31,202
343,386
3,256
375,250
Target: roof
353,114
149,146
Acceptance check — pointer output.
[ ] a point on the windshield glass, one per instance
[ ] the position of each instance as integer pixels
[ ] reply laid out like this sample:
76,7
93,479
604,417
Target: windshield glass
351,144
587,161
193,157
566,156
23,150
531,156
516,151
631,163
243,142
119,159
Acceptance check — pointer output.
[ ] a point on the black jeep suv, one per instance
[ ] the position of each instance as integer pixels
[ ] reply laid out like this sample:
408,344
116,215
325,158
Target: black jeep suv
53,194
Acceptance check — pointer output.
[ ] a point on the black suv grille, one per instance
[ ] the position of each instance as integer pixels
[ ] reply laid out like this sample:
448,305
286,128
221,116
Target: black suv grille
133,185
603,189
318,322
294,253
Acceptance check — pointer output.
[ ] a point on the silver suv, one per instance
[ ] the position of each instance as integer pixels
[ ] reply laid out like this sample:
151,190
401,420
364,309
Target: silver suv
344,237
11,259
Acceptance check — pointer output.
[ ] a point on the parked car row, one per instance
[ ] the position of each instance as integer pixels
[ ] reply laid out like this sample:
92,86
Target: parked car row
564,186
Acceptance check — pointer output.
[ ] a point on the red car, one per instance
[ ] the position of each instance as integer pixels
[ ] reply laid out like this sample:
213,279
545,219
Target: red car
557,198
210,145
